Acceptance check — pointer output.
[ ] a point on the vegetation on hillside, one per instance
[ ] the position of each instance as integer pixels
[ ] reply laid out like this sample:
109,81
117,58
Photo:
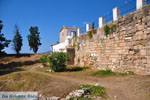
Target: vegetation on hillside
111,73
44,60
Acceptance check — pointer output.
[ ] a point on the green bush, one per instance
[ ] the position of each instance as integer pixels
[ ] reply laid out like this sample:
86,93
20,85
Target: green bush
90,34
78,45
113,28
107,30
44,60
94,31
78,60
58,61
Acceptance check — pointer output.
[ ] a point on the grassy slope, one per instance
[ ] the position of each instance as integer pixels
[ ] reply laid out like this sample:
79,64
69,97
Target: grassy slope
26,81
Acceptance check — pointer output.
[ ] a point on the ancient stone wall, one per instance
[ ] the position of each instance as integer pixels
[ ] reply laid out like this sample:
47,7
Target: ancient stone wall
126,49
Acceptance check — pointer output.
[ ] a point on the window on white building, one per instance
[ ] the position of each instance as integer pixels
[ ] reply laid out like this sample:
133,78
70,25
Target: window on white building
68,34
62,33
74,33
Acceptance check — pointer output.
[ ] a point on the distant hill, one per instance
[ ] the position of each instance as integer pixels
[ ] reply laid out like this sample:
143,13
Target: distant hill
46,52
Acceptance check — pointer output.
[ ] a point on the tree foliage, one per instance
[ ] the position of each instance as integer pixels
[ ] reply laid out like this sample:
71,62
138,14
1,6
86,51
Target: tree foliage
3,41
34,39
17,40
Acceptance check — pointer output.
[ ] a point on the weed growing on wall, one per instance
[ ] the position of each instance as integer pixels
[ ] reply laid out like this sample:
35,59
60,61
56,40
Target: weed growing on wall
78,45
94,31
107,30
113,28
78,60
90,34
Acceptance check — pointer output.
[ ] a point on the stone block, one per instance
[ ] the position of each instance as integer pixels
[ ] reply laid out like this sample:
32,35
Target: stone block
148,52
144,61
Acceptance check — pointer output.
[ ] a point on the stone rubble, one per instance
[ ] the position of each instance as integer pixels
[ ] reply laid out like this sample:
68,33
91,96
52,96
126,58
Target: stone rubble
74,94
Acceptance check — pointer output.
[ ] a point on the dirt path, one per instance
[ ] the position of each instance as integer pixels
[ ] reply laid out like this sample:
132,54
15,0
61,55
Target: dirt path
118,87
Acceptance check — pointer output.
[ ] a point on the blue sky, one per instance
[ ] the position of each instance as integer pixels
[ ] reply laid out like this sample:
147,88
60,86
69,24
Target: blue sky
50,16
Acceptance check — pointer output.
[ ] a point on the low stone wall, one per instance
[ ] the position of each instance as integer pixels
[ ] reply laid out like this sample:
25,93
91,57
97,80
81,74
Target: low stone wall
126,49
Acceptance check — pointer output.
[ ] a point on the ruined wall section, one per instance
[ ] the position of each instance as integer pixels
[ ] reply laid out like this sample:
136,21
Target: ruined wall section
126,49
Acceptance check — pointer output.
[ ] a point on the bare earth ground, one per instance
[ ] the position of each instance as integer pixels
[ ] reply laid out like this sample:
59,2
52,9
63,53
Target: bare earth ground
133,87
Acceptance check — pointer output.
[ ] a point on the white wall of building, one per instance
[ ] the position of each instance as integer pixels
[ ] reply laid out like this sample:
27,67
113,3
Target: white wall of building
61,47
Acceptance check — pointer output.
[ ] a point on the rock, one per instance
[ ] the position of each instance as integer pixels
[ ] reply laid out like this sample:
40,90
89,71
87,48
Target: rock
41,97
80,91
86,91
42,66
62,99
67,97
54,98
50,70
96,84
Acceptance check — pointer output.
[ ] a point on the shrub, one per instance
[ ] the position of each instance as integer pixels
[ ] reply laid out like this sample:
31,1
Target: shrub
107,30
90,34
78,60
78,45
74,42
58,61
74,45
113,28
94,31
44,60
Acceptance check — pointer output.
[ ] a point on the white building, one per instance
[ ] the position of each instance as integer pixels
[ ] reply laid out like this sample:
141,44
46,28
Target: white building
66,35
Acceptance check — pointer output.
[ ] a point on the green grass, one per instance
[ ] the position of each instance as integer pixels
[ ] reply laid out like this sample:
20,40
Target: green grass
128,73
111,73
95,90
104,73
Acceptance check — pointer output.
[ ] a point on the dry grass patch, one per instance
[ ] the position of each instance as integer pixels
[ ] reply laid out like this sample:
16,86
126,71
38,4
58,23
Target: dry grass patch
26,81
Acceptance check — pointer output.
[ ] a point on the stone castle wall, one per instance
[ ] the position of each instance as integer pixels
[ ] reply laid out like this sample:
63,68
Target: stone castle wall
126,49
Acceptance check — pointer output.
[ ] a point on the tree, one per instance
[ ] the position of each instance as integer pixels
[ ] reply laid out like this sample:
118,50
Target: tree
34,39
58,61
3,41
17,40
